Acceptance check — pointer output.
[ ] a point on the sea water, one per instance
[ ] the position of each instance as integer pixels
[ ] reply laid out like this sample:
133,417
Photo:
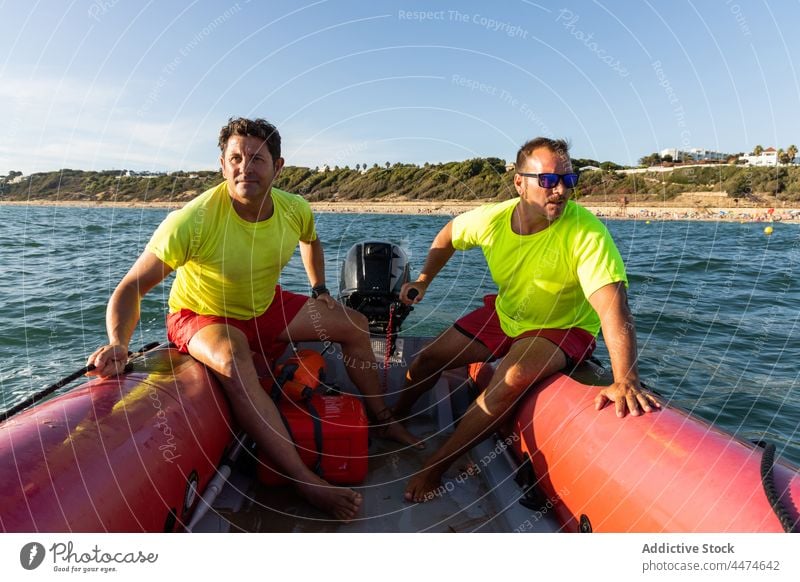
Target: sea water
716,304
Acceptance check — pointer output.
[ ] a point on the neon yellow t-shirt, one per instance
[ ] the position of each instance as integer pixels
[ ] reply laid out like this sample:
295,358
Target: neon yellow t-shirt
543,279
225,265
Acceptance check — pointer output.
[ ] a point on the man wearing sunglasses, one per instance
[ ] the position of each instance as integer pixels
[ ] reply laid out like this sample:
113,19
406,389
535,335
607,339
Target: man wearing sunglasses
559,277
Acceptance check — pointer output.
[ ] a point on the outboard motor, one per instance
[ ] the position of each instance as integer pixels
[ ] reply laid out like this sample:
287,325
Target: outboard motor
372,275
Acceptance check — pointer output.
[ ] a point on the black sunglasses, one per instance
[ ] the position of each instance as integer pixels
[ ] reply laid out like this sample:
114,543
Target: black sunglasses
549,180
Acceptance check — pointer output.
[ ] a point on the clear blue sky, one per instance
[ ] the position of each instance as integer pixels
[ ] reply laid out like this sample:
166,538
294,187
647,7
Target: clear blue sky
112,84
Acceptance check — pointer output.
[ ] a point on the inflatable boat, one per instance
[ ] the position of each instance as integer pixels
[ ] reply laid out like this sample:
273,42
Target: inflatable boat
660,472
124,454
144,451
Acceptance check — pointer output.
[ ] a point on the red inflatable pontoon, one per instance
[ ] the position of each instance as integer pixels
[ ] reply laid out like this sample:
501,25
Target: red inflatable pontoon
665,471
126,454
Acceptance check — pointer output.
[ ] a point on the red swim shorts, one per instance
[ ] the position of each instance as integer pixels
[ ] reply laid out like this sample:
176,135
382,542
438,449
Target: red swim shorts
262,331
483,324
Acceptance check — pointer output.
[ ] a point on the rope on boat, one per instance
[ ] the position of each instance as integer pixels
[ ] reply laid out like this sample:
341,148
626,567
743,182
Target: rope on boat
768,480
387,354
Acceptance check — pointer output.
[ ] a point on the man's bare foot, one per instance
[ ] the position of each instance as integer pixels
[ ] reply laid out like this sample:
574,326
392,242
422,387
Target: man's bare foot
388,427
340,502
398,433
424,486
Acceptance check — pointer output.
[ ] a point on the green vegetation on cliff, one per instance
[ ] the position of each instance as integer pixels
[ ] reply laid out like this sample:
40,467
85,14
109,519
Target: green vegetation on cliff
475,179
741,182
108,186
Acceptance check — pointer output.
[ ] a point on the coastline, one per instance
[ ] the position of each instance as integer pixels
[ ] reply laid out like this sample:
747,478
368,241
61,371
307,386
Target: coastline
630,212
645,211
91,204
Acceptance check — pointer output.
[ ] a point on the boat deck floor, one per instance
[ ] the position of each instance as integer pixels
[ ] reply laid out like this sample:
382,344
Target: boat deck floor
464,505
485,500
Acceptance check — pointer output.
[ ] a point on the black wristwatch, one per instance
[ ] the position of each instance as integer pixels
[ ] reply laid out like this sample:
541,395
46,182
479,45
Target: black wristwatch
319,290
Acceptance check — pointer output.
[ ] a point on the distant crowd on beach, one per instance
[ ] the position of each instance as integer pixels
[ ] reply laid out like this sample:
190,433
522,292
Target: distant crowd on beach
728,215
445,208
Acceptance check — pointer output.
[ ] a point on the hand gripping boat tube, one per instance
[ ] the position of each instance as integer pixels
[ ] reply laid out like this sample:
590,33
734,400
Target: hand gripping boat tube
660,472
124,454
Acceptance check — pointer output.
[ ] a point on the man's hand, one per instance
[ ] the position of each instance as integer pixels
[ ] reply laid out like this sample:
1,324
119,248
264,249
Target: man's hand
419,286
329,301
628,396
108,361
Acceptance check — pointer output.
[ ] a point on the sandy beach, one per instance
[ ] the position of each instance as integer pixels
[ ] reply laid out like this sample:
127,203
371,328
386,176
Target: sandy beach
630,212
645,212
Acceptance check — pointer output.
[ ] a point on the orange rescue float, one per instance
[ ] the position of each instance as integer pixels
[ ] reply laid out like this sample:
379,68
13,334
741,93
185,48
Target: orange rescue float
330,432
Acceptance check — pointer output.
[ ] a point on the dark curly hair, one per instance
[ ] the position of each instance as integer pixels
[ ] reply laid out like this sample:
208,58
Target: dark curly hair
254,127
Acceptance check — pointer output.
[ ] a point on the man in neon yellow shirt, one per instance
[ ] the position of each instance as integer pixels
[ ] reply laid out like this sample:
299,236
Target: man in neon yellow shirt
229,246
559,277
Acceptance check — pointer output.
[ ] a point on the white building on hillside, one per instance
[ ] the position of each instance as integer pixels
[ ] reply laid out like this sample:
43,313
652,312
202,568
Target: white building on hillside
769,157
694,155
674,153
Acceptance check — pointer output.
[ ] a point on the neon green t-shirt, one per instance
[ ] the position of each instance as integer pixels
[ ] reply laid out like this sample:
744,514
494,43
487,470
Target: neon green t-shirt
543,279
225,265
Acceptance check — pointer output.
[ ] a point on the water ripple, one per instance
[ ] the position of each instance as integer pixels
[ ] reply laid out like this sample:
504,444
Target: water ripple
715,304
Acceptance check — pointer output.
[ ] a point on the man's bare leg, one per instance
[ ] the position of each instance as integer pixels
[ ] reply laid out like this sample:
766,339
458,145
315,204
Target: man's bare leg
225,350
452,349
317,322
528,361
